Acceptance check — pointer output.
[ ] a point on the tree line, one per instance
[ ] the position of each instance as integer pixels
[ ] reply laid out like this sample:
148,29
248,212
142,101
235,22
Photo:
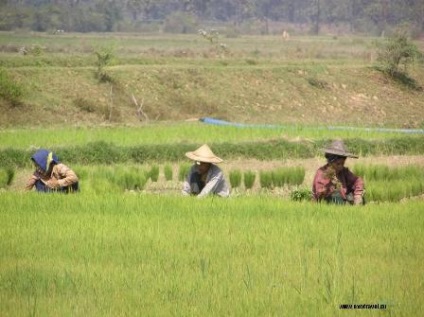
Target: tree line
185,16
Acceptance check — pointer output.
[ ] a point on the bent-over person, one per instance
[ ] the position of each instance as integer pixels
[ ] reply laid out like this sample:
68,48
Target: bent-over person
335,183
50,175
205,178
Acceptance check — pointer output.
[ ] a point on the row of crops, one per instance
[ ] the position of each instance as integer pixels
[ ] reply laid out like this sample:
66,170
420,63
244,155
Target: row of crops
383,183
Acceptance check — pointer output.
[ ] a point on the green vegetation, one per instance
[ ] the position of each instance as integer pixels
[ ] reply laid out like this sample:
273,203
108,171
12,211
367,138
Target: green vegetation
6,176
235,178
391,184
108,153
309,81
10,90
183,171
396,55
114,255
168,172
249,179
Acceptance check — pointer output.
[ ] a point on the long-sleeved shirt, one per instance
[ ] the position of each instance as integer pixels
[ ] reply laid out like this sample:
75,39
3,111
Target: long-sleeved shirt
215,183
63,174
323,186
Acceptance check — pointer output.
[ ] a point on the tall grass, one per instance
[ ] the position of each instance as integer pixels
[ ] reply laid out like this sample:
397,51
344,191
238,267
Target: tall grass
122,254
235,178
174,133
249,178
384,183
183,171
168,172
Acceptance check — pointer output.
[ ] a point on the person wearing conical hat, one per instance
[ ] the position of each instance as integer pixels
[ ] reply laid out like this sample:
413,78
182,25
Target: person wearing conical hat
335,183
51,175
205,177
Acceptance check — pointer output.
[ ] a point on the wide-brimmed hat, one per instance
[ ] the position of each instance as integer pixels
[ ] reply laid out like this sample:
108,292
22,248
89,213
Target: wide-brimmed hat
338,148
203,154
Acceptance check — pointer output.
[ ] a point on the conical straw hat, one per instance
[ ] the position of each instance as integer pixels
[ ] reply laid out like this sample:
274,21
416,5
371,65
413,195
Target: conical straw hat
338,148
203,154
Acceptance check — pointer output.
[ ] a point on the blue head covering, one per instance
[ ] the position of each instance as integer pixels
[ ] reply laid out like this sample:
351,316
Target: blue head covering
44,158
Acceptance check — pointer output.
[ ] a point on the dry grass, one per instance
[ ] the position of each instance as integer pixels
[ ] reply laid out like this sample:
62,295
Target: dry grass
308,80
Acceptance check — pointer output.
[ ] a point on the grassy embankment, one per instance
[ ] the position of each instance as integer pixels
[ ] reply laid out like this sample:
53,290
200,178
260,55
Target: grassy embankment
307,80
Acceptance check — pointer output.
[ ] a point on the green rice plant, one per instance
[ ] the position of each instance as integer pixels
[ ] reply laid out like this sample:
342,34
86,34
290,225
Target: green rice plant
249,179
291,176
380,172
416,187
167,171
3,178
6,176
235,178
155,255
266,179
301,194
279,177
183,171
153,173
396,191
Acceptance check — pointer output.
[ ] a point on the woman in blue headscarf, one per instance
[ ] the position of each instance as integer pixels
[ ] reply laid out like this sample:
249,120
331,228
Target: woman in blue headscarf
51,175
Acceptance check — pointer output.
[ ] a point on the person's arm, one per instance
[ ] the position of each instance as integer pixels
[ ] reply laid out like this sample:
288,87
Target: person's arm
31,182
215,179
322,186
356,184
65,177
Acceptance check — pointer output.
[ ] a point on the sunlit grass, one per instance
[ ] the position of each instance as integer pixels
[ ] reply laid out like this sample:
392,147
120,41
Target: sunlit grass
158,255
193,132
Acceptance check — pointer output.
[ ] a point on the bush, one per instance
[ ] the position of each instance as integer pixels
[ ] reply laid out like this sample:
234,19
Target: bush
395,55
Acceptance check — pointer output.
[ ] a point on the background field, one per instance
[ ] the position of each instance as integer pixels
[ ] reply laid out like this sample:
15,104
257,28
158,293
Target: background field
251,79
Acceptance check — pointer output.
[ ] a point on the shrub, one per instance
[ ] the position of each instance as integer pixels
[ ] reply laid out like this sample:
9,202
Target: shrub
104,58
235,178
395,55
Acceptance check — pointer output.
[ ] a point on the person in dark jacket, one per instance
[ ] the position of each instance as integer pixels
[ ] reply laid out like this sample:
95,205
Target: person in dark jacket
335,183
51,175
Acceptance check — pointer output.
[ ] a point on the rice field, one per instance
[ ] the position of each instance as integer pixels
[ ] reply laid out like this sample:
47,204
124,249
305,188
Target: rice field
183,132
161,255
130,245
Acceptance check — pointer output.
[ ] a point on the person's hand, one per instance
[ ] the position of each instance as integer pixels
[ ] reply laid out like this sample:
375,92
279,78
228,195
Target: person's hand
52,183
357,200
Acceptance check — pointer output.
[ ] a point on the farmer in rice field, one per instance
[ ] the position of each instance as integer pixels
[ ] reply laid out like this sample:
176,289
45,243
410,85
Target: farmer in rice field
205,178
335,183
50,175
